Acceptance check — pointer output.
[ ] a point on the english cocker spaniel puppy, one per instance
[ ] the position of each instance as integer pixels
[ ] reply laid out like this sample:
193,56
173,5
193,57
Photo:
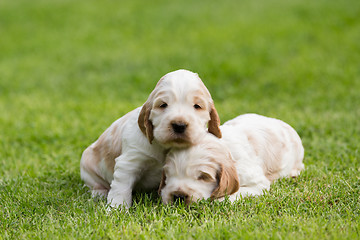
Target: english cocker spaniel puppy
253,152
131,152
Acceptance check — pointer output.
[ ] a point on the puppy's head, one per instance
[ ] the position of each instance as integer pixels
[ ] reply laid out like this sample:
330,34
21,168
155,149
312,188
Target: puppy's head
178,111
203,171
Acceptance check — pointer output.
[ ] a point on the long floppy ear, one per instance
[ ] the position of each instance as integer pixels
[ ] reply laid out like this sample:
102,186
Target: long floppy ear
144,122
228,180
214,123
162,182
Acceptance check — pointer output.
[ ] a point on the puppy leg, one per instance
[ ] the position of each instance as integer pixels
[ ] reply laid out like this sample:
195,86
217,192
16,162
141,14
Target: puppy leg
126,174
97,185
90,174
120,194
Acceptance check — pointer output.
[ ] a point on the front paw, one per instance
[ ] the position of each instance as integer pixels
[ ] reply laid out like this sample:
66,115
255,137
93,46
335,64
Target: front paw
119,201
119,196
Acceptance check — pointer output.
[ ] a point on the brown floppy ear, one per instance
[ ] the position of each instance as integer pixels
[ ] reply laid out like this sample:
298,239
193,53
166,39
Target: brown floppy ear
144,122
162,182
228,180
214,123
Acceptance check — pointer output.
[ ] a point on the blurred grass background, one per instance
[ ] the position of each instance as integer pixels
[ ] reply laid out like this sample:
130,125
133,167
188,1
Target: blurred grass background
68,69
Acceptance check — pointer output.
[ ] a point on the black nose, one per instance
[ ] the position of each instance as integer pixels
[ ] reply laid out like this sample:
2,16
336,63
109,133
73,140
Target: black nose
179,198
179,127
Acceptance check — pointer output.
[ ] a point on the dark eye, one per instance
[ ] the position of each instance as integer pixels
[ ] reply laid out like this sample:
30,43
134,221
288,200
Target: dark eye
205,177
164,105
197,106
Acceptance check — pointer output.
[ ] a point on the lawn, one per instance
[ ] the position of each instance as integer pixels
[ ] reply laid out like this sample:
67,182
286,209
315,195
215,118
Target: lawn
68,69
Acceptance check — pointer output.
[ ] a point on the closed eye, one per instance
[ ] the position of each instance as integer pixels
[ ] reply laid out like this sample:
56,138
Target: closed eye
205,177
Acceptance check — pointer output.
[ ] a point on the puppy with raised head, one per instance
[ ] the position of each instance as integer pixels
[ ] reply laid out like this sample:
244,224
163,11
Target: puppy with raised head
253,152
131,152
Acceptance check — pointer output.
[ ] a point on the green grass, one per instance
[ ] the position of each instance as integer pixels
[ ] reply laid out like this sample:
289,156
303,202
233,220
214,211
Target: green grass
68,69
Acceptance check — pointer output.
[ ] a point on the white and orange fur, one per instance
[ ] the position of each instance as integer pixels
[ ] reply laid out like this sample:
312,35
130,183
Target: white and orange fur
253,152
130,154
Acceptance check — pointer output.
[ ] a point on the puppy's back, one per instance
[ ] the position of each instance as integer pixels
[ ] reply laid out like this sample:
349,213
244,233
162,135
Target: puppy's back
273,142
